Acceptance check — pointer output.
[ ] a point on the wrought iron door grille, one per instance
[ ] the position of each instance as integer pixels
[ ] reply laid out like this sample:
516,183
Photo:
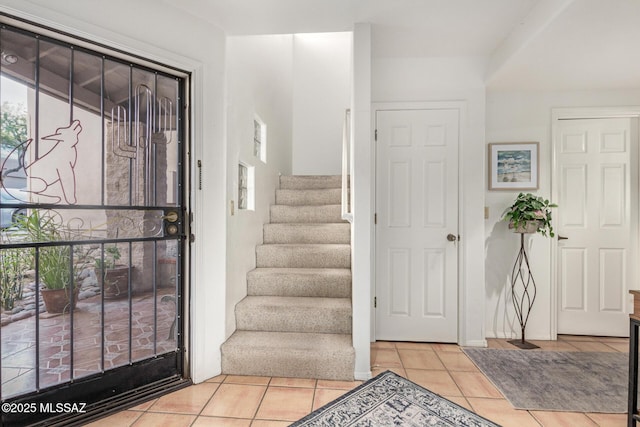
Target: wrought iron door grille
92,164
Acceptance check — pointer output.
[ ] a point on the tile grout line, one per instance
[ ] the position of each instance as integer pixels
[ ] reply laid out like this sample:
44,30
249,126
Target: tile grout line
446,368
313,396
478,369
208,400
535,418
261,400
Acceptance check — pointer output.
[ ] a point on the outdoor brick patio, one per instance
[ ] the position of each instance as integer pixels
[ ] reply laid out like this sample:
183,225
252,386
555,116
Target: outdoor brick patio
18,348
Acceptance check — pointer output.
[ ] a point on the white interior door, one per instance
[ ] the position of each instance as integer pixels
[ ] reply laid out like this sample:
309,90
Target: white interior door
597,213
417,208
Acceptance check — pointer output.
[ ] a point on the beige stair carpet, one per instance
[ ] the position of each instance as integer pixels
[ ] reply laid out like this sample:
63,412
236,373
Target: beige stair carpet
296,319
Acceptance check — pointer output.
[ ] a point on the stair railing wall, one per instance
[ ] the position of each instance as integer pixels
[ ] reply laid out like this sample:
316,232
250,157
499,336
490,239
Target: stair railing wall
347,213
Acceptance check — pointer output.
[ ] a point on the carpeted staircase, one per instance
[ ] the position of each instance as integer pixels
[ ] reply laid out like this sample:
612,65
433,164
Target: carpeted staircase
296,318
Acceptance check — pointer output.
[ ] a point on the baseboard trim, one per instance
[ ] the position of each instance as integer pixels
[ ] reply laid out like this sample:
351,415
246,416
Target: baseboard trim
501,335
362,375
505,336
475,343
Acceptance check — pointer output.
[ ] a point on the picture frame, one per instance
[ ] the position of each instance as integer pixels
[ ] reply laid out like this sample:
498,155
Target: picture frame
513,166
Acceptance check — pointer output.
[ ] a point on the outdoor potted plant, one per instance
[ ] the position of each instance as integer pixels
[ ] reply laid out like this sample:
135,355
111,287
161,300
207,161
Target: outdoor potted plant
56,277
13,266
529,214
54,263
112,277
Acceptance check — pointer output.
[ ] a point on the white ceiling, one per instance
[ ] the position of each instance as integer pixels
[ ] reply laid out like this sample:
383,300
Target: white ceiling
529,44
593,44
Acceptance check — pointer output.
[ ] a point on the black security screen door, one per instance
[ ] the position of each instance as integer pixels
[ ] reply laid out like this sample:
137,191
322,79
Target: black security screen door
92,246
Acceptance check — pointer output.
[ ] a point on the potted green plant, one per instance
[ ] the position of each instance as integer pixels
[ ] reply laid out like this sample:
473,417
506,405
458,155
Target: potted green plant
56,270
112,277
529,214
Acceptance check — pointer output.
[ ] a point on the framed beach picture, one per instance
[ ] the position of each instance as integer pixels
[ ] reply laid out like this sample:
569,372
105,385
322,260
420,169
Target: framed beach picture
513,166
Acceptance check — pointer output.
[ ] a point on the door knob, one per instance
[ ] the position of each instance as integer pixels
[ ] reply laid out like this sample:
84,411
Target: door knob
171,216
451,237
562,237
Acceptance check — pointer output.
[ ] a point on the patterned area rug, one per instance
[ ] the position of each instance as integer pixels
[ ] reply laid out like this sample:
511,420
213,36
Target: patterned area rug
390,400
557,381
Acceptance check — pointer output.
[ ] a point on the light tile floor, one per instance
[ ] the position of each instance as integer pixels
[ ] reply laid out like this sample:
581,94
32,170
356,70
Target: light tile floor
442,368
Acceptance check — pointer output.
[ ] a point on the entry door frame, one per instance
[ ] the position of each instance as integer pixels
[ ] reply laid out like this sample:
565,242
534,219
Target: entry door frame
461,106
191,73
558,114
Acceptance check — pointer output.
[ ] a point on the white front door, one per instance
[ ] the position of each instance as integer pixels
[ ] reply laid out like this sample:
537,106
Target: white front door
417,208
597,211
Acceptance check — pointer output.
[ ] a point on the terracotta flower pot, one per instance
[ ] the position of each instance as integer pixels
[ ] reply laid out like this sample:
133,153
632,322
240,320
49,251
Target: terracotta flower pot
58,300
114,281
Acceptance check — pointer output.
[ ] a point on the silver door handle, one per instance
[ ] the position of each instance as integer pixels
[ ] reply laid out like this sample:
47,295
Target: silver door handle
452,237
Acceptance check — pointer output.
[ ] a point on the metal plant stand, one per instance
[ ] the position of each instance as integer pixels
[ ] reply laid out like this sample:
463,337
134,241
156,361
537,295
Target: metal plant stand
521,277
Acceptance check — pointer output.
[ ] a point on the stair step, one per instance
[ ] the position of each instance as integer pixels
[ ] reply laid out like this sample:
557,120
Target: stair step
304,182
288,354
304,255
294,314
307,233
326,196
300,282
306,214
296,320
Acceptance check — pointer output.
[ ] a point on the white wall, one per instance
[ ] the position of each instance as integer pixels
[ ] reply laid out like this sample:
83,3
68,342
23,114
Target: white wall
197,47
519,117
259,81
457,80
362,227
321,94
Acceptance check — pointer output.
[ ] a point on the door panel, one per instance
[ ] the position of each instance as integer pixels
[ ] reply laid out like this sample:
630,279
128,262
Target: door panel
97,174
435,292
417,207
594,161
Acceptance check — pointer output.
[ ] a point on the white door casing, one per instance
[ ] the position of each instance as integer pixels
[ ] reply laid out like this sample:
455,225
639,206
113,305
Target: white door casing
417,208
596,190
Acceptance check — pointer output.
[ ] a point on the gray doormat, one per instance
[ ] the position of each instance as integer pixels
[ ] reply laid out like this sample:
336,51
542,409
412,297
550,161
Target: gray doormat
557,381
391,400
